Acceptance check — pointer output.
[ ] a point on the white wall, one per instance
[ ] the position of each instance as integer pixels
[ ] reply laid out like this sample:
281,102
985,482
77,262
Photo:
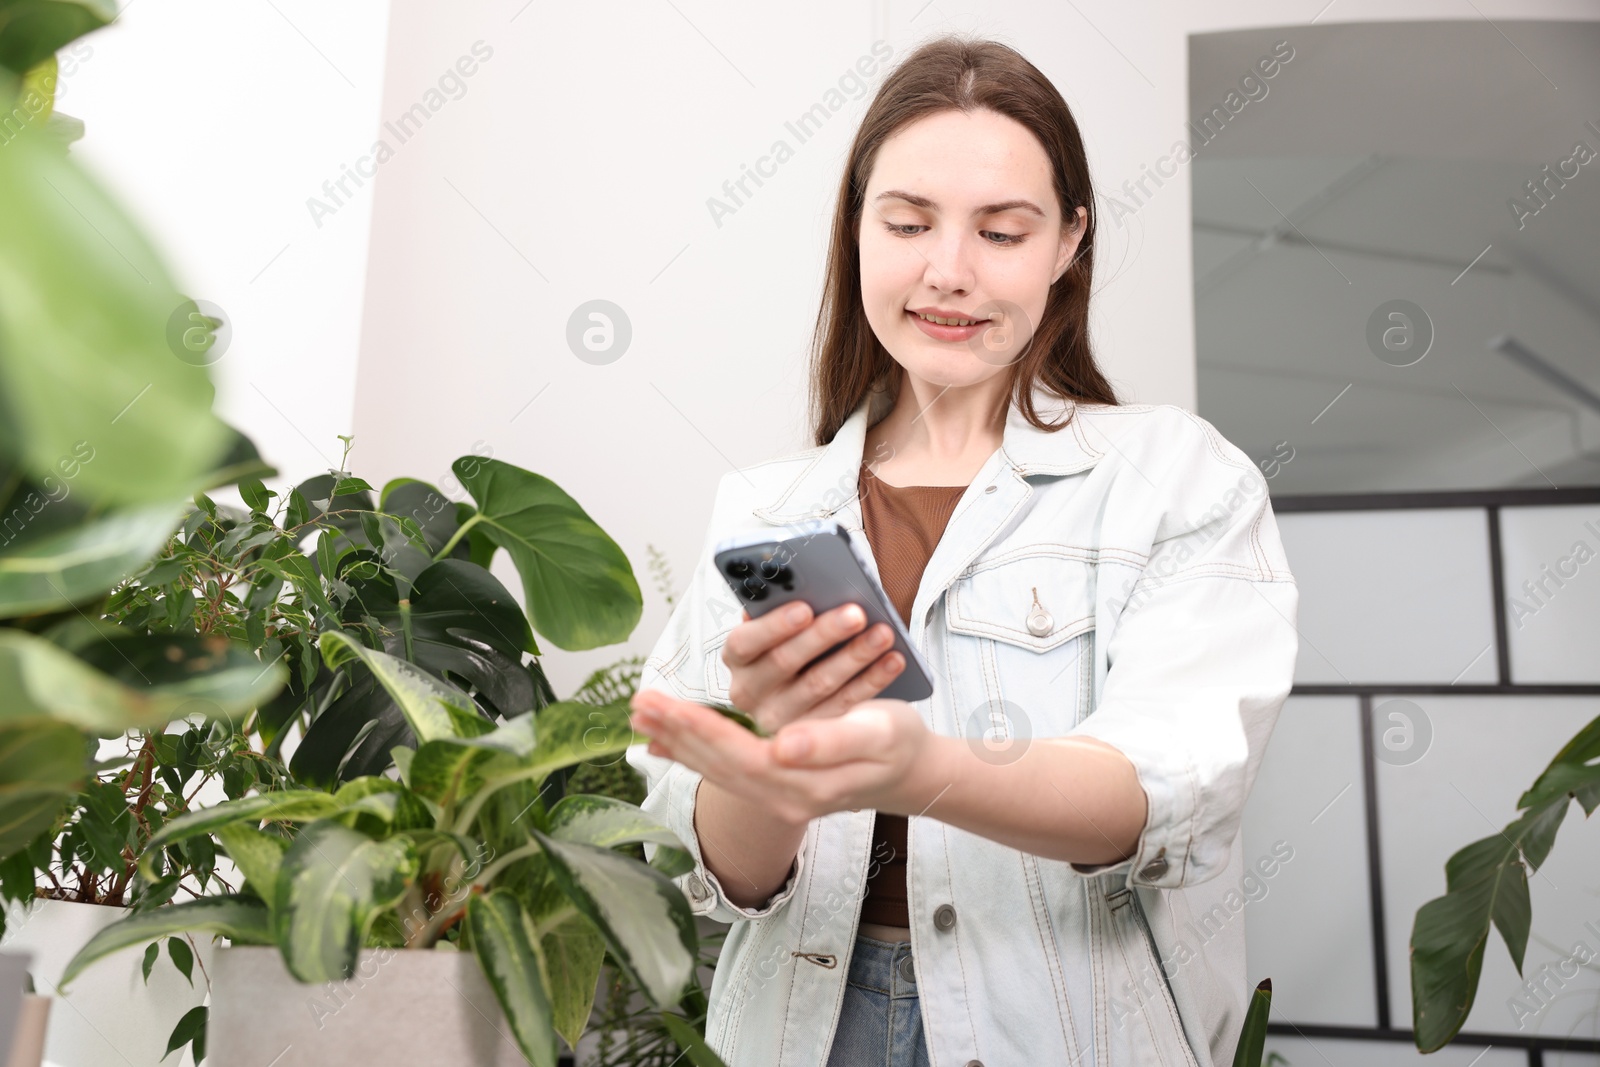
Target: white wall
213,123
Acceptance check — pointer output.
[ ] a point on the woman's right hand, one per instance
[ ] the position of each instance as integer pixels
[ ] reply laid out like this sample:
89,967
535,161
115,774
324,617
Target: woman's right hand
765,657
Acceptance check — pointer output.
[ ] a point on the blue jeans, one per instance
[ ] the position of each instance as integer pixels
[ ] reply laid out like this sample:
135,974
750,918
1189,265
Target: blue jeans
880,1024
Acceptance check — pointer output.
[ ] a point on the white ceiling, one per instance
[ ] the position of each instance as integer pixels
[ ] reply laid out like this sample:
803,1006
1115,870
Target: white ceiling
1379,166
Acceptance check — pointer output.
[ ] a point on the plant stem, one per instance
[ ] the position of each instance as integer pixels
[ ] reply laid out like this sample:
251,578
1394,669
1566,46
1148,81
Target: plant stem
487,876
461,531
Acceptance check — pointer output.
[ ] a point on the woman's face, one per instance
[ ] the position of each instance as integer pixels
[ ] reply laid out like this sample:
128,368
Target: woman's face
961,221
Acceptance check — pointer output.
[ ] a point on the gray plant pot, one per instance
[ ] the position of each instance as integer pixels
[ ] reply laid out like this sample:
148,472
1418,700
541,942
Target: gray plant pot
401,1008
13,973
27,1042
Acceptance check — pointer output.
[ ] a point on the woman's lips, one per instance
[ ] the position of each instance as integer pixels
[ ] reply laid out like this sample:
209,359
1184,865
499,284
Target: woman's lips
948,333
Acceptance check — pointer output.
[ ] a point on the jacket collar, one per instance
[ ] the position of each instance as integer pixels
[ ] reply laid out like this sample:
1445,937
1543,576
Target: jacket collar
830,480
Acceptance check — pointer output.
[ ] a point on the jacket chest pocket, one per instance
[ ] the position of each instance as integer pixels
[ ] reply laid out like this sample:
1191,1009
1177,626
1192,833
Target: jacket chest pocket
1022,648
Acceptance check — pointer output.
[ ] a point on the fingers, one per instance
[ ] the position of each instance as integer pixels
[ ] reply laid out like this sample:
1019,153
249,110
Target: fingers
819,687
753,638
866,685
771,680
694,735
856,672
858,734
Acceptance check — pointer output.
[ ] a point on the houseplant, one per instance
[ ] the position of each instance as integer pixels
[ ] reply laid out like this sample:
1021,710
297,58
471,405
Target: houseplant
460,851
1487,883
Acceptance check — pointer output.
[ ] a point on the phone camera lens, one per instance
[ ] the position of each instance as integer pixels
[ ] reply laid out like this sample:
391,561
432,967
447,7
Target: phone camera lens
738,568
755,589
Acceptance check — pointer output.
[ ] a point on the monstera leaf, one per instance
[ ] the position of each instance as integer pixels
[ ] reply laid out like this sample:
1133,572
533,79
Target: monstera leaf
578,584
461,625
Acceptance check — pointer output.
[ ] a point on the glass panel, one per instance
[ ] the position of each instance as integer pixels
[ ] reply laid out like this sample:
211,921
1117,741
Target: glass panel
1552,577
1309,925
1472,757
1394,237
1392,596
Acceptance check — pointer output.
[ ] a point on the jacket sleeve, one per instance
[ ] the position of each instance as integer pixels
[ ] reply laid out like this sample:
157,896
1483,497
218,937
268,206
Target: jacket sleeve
677,666
1200,658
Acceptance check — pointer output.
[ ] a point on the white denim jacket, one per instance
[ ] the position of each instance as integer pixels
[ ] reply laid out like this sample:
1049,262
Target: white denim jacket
1164,626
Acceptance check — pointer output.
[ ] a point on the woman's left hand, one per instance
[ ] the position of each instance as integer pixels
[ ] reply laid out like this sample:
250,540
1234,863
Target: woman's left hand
879,754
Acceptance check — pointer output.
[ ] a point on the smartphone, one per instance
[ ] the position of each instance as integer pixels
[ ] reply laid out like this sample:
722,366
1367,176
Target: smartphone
818,563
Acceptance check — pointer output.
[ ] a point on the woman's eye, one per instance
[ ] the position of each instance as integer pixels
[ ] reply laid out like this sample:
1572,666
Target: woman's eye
905,230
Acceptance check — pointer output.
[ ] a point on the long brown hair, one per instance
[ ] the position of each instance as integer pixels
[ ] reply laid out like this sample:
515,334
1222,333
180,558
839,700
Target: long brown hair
955,73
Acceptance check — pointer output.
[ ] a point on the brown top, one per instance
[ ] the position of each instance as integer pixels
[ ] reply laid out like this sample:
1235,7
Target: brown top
903,525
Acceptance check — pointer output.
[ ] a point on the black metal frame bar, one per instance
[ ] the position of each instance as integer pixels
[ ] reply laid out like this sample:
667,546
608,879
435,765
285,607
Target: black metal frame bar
1491,501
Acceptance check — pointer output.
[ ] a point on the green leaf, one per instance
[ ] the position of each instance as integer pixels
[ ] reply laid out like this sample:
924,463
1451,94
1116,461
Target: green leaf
388,802
426,701
1486,882
445,771
1571,773
41,767
34,30
573,952
41,679
82,561
182,958
643,917
152,951
728,711
255,494
510,963
192,1027
332,882
104,820
36,98
240,919
434,514
194,675
1253,1038
256,854
606,822
403,758
690,1041
461,624
289,805
571,733
578,586
88,379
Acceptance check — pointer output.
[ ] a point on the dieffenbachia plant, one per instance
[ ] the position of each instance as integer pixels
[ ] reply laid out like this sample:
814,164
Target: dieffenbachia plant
460,848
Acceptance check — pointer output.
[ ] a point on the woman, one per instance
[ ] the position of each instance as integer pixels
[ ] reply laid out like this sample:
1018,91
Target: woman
1040,863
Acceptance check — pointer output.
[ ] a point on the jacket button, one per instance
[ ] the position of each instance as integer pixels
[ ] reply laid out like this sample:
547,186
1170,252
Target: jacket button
944,916
1154,869
991,488
1040,623
698,888
973,1063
